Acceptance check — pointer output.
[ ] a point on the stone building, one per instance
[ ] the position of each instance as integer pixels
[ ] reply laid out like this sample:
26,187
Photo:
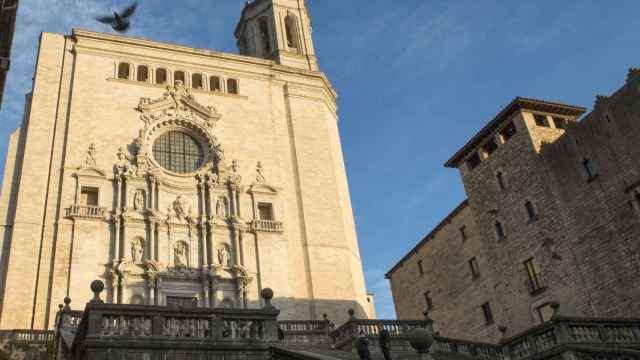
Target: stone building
552,216
180,176
8,10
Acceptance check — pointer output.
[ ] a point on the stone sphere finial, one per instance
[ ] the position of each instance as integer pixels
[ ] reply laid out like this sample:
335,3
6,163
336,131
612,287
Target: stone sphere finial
267,295
67,302
97,286
503,330
60,307
421,339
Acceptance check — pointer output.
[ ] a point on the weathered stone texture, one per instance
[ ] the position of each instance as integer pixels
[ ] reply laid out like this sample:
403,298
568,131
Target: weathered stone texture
583,238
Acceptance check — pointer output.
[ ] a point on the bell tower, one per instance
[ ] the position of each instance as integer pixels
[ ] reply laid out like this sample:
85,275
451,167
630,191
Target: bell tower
278,30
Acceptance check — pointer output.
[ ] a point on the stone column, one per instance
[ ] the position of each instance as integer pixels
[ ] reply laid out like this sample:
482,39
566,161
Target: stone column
151,282
205,292
152,193
236,243
116,242
153,240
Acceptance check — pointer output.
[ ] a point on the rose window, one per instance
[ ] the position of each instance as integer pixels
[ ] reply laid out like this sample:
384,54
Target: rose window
178,152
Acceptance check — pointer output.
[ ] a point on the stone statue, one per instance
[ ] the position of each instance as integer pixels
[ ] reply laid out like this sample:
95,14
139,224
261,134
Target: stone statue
259,174
235,177
221,207
90,160
223,256
138,200
180,254
180,206
123,164
137,251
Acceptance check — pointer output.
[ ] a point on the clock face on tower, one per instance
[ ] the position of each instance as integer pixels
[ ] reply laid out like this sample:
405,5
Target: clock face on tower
178,152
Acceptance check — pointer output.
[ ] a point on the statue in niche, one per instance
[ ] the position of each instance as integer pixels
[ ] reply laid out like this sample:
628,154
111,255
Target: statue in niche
235,177
138,200
223,256
90,160
260,179
123,164
222,207
180,252
137,251
180,206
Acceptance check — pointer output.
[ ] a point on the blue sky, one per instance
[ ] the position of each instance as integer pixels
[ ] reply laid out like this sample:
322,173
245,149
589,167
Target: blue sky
415,80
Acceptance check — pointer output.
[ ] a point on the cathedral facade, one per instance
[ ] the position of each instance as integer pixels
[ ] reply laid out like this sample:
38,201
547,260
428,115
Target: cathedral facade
180,177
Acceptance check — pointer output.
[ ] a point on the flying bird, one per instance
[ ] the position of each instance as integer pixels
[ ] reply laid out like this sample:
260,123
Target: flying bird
119,22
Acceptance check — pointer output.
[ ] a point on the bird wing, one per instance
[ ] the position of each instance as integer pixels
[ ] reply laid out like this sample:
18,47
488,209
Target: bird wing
129,11
122,27
106,19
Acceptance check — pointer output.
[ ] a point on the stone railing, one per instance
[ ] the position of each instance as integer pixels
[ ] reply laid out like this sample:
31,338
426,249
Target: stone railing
314,332
86,212
399,330
28,336
267,226
478,350
26,344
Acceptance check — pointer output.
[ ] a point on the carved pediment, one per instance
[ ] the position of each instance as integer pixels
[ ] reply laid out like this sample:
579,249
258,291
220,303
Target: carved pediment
177,101
90,172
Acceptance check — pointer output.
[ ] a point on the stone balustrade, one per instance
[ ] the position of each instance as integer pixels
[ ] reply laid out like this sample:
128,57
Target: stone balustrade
311,332
86,212
267,226
343,336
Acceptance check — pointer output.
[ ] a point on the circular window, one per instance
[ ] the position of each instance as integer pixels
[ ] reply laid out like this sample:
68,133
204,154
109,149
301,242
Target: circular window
178,152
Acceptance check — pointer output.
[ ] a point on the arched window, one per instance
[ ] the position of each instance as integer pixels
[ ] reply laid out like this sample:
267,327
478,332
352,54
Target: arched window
499,230
196,81
265,40
214,83
588,168
142,73
232,86
161,76
500,179
124,69
178,76
531,211
290,24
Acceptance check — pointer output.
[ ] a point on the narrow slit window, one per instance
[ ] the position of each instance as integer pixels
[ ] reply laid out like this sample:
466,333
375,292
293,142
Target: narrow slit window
124,70
463,233
161,76
428,300
531,211
500,179
499,230
420,267
587,165
489,148
488,314
475,270
214,84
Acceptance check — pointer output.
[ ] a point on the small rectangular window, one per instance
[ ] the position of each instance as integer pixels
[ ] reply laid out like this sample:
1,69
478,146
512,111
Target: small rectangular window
500,179
488,315
232,86
463,233
589,170
214,83
265,211
544,313
475,270
534,283
508,132
473,161
420,267
490,147
161,76
89,196
541,120
560,123
178,76
531,211
499,230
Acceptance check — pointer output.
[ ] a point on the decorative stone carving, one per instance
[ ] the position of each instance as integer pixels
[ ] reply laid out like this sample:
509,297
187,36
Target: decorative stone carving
123,164
260,179
90,159
224,256
222,207
180,254
138,200
137,251
234,177
180,207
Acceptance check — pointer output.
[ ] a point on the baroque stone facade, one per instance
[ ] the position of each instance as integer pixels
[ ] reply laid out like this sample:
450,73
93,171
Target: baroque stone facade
552,217
180,176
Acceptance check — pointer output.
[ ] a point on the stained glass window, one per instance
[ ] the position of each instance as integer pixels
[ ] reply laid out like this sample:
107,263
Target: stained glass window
178,152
